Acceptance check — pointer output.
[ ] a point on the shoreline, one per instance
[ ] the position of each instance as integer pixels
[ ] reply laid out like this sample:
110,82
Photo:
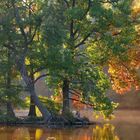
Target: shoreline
43,125
54,122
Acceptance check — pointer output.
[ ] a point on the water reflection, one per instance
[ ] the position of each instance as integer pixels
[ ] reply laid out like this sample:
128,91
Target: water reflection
106,132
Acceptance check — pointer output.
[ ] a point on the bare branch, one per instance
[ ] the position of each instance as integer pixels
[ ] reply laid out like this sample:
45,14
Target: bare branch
87,10
86,103
72,23
109,1
41,76
73,3
74,93
78,35
39,69
9,47
66,3
75,32
71,29
30,41
18,20
83,41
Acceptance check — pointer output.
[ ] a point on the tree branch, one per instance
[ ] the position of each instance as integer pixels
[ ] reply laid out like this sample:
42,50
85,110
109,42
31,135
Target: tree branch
83,41
75,32
71,29
78,93
82,102
109,1
39,69
88,8
18,20
41,76
10,47
30,41
73,3
74,93
72,23
66,3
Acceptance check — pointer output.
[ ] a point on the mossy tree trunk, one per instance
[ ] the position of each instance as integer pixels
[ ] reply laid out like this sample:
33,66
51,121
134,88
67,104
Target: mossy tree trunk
32,108
66,101
30,85
10,111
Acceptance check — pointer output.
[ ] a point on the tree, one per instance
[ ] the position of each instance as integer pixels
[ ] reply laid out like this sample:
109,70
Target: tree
125,74
20,22
9,88
78,38
73,29
122,62
36,67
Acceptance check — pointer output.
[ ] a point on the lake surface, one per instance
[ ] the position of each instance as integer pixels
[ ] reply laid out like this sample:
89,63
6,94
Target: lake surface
126,126
98,132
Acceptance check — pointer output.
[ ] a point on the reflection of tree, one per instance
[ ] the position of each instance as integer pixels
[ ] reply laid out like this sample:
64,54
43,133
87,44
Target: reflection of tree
107,132
32,133
20,133
6,133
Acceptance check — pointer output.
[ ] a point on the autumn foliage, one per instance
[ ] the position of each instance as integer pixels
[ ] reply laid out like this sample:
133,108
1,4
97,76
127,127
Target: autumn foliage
125,75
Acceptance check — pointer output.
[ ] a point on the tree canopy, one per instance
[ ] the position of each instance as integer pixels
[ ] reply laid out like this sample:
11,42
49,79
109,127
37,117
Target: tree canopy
82,47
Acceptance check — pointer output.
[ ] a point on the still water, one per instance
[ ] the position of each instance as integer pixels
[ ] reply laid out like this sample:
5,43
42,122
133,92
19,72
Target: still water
98,132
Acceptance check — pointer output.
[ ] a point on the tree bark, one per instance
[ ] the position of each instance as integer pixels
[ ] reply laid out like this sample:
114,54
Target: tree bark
30,85
10,111
66,101
32,109
45,113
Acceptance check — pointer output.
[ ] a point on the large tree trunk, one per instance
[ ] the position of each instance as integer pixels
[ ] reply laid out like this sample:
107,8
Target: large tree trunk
30,85
45,113
10,111
66,100
32,109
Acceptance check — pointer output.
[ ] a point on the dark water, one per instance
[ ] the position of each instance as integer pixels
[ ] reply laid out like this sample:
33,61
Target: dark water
98,132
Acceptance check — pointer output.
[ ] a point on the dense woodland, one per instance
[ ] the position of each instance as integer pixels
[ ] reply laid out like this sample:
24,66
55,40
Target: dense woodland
82,48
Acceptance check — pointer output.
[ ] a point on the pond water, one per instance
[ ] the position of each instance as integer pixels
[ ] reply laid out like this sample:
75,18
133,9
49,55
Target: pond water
125,126
97,132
